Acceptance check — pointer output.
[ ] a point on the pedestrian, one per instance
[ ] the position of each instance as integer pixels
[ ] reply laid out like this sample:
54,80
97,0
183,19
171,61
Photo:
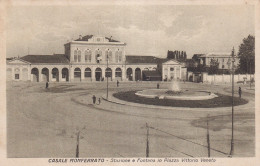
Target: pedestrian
47,85
158,86
240,92
94,99
99,101
117,83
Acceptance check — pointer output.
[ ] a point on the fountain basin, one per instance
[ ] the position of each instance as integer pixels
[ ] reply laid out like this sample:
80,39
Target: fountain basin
178,95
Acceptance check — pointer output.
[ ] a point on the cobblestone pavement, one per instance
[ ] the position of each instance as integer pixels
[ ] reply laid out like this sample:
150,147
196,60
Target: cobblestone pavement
43,123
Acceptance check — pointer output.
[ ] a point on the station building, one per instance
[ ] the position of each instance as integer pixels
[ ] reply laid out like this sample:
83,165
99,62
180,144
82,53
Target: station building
93,58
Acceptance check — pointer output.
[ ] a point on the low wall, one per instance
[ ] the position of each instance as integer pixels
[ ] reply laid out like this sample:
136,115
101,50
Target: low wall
224,78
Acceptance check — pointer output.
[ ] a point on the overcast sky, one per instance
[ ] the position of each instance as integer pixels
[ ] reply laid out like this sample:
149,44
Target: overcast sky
147,30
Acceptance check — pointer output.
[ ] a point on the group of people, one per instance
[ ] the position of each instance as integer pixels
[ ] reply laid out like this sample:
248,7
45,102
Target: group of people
94,98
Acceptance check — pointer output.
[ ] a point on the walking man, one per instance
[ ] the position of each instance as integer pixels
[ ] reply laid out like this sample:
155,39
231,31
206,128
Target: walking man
240,92
158,85
94,99
117,83
99,101
47,85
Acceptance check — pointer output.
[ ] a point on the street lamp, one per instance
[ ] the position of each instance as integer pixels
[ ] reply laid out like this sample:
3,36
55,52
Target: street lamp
232,137
106,72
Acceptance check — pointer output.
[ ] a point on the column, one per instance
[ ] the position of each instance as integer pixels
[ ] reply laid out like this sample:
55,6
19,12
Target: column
141,74
93,74
40,74
113,73
103,75
180,73
50,74
163,77
71,74
29,73
133,74
60,75
20,74
168,73
175,73
82,74
123,74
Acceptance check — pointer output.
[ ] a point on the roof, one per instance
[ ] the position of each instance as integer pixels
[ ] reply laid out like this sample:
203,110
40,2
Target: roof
56,58
87,37
144,59
152,73
217,55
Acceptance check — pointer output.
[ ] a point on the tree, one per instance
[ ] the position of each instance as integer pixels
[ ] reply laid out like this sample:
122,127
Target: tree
213,68
246,55
185,55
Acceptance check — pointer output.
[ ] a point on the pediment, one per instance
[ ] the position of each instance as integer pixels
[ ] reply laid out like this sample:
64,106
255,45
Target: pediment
171,62
18,61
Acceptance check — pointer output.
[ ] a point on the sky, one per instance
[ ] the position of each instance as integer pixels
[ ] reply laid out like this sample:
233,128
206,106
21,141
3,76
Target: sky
147,30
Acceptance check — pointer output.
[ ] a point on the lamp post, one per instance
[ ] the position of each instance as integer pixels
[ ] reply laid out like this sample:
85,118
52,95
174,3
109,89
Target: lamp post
232,135
107,75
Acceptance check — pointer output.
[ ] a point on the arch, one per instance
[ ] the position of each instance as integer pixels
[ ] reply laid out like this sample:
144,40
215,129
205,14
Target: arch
55,74
138,74
129,74
25,74
65,74
146,69
87,74
77,74
118,73
108,73
45,74
98,74
9,74
35,74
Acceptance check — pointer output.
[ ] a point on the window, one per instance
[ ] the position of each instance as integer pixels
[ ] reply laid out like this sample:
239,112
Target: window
223,66
171,69
98,56
88,55
223,60
16,76
108,55
75,56
116,55
120,56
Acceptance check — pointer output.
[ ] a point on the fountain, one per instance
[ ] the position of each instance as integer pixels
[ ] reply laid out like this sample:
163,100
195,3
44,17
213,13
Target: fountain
174,88
175,92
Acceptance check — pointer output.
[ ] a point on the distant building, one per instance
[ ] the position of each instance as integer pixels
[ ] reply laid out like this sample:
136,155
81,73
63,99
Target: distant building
93,58
224,60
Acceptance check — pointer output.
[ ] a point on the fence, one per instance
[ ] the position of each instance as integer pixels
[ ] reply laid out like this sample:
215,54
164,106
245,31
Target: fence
226,78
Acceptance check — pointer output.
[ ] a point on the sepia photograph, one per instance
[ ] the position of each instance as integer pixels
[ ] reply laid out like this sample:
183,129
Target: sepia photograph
118,81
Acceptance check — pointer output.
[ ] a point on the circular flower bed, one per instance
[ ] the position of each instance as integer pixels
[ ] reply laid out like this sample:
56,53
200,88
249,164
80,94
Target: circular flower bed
219,101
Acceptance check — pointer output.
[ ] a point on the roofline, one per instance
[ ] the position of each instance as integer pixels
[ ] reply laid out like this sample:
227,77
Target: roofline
18,59
141,63
97,43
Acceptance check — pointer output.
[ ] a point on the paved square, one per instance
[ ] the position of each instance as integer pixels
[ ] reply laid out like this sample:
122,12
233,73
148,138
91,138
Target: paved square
44,123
